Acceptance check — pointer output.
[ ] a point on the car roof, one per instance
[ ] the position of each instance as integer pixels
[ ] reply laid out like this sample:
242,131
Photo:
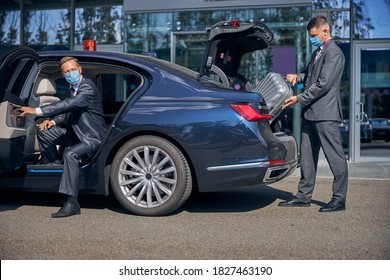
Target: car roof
142,61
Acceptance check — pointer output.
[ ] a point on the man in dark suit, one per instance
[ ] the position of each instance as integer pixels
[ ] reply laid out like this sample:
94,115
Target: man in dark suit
321,113
82,116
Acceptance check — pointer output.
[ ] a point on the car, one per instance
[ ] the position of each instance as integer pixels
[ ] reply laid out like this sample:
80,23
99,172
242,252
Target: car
344,132
170,129
366,130
380,129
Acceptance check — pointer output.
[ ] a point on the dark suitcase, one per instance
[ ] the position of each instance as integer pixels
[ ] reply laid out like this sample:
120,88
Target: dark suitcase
275,90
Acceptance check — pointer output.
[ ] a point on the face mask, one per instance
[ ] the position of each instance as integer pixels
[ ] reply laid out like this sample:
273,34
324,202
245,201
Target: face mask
72,77
315,41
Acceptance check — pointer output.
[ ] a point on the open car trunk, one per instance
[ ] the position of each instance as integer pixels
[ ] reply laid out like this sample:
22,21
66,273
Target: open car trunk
228,42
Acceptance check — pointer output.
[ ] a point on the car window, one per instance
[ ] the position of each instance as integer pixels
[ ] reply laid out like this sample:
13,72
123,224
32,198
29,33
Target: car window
183,70
17,83
380,122
116,88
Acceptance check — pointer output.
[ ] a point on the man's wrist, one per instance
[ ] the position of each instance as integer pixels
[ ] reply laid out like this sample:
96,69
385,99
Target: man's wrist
38,112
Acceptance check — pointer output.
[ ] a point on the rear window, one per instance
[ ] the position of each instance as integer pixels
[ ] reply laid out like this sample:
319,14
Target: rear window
182,70
208,80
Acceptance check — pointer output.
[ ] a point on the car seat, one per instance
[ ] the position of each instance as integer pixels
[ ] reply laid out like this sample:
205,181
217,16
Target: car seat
45,91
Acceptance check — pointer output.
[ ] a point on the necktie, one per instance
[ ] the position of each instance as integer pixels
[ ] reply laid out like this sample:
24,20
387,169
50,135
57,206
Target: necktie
317,54
73,91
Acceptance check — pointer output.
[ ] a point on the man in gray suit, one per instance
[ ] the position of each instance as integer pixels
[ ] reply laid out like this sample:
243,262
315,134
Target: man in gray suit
82,115
321,113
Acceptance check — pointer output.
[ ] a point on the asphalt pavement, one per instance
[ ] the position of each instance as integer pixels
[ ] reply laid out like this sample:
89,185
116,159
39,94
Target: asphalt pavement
232,225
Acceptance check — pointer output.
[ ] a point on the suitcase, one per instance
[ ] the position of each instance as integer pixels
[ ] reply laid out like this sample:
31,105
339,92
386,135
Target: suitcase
275,90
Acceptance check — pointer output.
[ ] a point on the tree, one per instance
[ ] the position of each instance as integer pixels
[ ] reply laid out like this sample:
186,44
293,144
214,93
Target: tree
98,23
63,31
41,36
9,27
362,25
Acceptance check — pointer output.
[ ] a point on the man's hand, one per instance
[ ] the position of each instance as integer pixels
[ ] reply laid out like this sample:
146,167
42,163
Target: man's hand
27,111
46,125
290,101
292,79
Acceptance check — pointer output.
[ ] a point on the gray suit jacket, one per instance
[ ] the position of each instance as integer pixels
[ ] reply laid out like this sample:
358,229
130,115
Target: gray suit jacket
83,112
321,99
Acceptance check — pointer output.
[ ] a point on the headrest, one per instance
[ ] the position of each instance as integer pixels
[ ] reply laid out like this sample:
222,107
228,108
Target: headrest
46,86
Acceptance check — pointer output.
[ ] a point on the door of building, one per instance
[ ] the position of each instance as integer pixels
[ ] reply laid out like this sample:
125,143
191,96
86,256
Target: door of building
188,48
370,102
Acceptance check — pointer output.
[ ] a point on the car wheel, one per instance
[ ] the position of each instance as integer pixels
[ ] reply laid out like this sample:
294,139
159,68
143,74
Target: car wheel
150,176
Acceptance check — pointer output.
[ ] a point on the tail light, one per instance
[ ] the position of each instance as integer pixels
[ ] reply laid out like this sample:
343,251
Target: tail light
276,162
251,114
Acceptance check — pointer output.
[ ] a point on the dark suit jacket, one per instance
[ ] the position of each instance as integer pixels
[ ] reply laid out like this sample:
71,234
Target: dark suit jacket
82,113
321,99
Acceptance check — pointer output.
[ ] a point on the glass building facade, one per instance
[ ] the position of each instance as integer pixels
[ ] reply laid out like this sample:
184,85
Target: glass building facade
177,31
46,24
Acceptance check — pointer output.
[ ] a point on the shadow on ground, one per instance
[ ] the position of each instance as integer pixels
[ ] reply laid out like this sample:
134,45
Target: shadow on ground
242,200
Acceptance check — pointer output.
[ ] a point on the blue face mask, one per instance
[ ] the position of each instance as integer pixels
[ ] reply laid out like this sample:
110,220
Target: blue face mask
73,77
315,41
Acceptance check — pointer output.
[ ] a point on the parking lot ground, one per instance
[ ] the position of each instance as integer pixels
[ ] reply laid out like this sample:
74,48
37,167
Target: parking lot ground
239,224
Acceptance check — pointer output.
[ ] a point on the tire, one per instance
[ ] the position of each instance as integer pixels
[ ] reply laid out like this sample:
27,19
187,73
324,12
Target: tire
150,176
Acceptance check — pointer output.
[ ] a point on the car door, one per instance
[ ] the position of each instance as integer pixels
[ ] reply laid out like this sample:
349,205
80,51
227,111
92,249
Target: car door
16,80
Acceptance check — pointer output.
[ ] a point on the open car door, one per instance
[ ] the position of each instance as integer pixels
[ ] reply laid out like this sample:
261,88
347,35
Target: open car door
15,87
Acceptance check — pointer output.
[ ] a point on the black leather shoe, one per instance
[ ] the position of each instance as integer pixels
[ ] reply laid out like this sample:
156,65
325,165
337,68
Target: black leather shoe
68,209
294,202
333,206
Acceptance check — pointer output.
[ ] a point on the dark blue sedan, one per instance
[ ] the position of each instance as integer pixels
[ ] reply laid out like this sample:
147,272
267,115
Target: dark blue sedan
169,130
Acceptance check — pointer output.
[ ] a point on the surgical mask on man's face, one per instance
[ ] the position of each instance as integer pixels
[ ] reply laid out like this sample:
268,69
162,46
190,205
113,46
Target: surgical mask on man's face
315,41
72,77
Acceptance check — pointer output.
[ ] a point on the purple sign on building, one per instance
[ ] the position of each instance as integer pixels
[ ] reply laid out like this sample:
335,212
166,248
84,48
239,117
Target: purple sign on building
284,60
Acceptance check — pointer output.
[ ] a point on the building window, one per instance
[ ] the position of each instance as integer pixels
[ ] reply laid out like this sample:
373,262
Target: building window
9,23
371,19
149,32
103,24
46,26
153,32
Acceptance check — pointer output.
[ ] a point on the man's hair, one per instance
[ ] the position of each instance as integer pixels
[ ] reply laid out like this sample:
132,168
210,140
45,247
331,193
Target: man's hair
68,58
317,22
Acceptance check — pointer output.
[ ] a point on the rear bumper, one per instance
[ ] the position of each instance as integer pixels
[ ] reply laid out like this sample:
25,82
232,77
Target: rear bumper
280,162
277,173
273,173
253,174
